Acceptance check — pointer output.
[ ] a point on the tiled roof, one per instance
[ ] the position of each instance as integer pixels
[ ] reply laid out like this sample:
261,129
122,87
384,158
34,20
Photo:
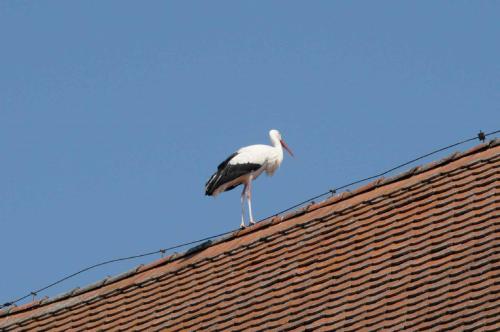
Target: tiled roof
419,251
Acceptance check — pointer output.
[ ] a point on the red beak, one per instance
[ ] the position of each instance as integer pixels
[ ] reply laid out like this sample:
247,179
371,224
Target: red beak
283,144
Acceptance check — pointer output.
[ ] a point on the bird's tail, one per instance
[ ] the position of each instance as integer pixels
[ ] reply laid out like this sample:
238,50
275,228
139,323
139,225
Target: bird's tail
211,184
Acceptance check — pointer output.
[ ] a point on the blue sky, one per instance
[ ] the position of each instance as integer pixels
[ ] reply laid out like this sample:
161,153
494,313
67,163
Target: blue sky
114,114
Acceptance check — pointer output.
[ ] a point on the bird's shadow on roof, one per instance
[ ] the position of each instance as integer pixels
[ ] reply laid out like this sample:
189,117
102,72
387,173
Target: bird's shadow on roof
194,250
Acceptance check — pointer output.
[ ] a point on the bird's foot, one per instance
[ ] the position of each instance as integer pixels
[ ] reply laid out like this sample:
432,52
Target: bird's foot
252,222
242,225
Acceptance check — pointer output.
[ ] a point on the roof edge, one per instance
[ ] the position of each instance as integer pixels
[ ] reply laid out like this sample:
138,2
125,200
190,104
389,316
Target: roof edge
265,223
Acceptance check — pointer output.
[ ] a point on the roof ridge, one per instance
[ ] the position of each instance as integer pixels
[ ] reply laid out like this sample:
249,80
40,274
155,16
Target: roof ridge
268,222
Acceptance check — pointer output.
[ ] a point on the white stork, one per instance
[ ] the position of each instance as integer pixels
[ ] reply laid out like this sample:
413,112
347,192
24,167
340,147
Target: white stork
245,165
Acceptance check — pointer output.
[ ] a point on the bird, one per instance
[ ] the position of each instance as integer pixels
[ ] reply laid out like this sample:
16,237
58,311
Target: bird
244,166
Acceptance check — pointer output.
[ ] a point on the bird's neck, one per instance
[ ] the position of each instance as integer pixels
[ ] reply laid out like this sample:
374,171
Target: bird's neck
277,146
276,143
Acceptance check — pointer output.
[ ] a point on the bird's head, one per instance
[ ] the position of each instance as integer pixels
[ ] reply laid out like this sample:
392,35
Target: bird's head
276,137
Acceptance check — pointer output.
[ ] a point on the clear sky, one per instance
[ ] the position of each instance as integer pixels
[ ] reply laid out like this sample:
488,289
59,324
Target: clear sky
113,114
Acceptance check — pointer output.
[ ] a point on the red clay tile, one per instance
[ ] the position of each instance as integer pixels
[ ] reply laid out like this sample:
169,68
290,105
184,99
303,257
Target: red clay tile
417,251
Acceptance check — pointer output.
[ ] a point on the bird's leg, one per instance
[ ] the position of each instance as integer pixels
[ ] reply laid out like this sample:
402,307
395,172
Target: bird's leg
249,200
242,225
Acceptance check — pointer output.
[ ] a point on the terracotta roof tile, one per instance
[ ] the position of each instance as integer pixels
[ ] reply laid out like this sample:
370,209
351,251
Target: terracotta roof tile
417,251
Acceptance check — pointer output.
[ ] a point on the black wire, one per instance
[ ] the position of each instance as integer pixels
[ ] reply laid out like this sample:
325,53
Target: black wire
109,262
480,136
333,190
76,273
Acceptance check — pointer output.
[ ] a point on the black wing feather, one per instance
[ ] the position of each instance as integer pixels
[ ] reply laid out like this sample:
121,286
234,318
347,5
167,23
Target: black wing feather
227,173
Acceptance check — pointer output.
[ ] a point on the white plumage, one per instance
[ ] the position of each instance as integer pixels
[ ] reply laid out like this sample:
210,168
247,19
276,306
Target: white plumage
245,165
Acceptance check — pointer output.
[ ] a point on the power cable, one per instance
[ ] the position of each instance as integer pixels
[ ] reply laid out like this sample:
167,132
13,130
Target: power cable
481,136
